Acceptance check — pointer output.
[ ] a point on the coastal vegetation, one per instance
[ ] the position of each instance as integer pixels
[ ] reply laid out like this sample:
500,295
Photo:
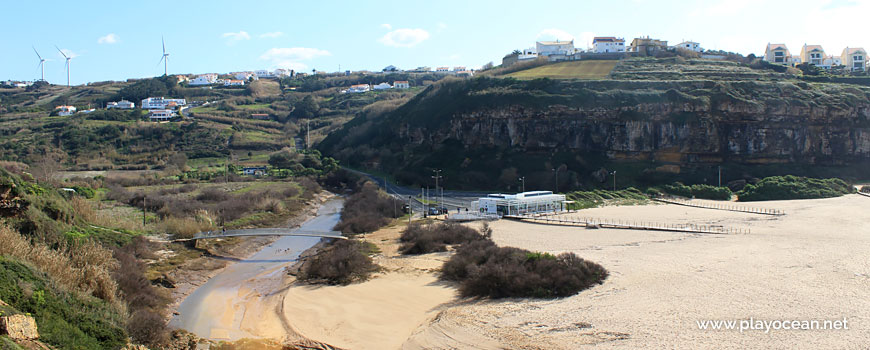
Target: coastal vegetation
793,187
483,269
599,197
340,263
486,270
368,209
696,191
418,238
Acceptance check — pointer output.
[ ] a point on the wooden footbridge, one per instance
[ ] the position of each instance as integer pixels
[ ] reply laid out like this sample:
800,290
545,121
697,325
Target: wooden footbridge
562,219
727,206
261,232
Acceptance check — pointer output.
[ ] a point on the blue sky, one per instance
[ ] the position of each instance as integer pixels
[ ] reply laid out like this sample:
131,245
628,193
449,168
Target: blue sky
121,39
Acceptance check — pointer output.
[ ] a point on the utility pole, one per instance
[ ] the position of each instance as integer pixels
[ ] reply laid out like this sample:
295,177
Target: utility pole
720,176
436,177
614,180
143,210
410,210
227,164
523,179
307,133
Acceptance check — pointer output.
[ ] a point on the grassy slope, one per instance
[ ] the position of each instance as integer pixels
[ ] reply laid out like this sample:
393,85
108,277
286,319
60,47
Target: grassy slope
568,70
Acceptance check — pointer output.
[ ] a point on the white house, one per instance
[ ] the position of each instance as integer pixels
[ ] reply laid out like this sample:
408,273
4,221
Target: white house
122,104
401,84
777,54
230,82
547,48
262,73
161,115
204,79
520,203
244,75
65,110
854,58
528,54
390,69
281,72
161,103
813,54
359,88
382,86
442,70
831,61
689,45
605,44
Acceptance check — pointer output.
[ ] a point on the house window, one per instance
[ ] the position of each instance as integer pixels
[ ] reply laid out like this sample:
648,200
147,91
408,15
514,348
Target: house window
778,53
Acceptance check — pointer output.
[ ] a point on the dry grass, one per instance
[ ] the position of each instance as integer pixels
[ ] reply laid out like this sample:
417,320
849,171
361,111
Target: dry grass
83,209
83,267
569,70
184,227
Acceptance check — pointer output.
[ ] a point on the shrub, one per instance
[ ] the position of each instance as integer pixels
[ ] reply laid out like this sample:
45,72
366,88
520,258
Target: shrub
181,228
212,194
793,187
145,303
342,263
66,320
368,210
422,239
486,270
697,191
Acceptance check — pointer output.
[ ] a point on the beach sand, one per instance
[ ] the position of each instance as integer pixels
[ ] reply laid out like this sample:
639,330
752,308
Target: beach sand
811,264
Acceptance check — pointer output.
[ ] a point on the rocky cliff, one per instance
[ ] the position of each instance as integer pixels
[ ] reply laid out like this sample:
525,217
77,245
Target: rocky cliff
659,126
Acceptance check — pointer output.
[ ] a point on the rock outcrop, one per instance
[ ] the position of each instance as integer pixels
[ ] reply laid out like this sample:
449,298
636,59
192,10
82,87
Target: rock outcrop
19,327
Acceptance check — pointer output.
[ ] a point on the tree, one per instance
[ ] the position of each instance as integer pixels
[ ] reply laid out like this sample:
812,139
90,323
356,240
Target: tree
283,159
308,108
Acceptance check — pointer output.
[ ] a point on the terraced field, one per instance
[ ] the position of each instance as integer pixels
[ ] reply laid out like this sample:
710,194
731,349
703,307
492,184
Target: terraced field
568,70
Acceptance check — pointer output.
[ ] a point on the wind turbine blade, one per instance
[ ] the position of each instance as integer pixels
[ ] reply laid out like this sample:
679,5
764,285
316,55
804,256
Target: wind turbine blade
161,61
61,52
37,54
164,45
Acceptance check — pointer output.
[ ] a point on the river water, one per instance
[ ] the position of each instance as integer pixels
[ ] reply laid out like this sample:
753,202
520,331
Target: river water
217,309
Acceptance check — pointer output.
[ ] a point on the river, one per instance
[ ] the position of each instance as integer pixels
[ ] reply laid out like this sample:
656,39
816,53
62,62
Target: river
230,305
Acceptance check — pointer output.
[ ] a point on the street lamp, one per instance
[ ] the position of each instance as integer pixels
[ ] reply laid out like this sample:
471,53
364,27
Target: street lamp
437,176
523,179
556,173
614,179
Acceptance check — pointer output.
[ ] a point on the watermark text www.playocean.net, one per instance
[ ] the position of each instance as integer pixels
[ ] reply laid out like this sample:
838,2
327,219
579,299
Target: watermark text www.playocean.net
754,325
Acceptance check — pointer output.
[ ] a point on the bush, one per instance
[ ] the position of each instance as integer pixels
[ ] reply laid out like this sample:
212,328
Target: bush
342,263
486,270
793,187
595,198
422,239
368,210
144,302
66,320
697,191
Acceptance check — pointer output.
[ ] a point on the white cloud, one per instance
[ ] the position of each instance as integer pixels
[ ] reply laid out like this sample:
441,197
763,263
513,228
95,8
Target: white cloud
234,37
404,37
584,39
387,26
290,57
555,34
271,35
110,38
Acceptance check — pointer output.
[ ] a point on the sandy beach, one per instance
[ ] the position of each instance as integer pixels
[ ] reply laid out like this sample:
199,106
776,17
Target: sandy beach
810,264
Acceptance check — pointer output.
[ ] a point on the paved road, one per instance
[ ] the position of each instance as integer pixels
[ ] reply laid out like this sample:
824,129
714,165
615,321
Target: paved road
452,199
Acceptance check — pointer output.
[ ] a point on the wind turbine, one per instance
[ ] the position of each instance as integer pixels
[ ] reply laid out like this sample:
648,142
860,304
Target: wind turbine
164,58
68,58
41,64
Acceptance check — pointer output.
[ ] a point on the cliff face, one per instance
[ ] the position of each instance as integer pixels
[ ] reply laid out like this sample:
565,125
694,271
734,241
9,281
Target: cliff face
483,126
734,132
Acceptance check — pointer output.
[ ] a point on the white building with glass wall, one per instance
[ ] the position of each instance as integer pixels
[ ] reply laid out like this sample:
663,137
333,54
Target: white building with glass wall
521,203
